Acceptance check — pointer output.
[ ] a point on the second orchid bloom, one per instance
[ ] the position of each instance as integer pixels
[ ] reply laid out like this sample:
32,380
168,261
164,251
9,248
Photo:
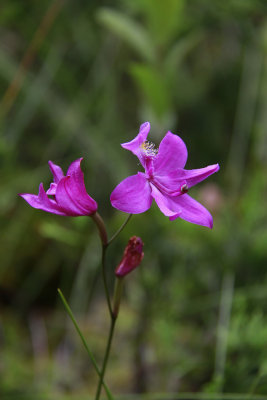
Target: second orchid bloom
67,194
165,180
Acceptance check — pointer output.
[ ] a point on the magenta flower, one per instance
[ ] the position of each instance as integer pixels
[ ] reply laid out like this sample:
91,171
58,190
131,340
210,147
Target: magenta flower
68,193
165,180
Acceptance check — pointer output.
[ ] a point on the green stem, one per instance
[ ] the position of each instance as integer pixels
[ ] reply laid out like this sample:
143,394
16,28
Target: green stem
120,229
105,243
68,309
104,277
117,295
113,315
101,377
104,239
101,228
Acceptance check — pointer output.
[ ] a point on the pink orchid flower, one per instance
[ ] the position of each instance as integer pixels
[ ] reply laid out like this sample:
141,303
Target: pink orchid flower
68,193
165,180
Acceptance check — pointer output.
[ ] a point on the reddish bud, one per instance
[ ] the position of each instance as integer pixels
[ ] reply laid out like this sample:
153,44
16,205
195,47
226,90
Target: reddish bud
132,256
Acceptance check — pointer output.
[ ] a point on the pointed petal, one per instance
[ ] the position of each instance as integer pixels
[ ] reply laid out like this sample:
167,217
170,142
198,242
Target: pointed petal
192,210
75,168
56,171
172,154
194,176
132,195
42,202
134,145
164,204
78,189
72,197
172,182
52,190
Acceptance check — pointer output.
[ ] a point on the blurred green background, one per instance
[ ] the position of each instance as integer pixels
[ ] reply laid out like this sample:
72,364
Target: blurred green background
77,78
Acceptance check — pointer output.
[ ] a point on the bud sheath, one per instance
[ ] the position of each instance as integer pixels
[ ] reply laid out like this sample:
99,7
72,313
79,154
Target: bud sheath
132,257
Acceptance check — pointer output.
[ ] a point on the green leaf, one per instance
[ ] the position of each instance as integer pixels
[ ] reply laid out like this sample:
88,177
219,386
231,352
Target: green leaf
179,51
53,230
164,19
129,31
153,87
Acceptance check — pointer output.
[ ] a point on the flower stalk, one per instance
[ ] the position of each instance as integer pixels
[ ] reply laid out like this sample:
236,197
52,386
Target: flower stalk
132,256
106,357
117,296
120,229
113,311
104,240
98,220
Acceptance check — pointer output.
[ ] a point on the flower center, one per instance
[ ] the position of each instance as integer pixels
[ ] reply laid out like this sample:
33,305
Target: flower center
149,149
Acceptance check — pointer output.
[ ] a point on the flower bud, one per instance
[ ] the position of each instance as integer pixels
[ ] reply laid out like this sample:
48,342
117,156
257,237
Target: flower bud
132,257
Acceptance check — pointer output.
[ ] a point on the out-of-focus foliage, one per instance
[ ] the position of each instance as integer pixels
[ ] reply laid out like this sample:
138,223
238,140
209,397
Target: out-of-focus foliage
77,79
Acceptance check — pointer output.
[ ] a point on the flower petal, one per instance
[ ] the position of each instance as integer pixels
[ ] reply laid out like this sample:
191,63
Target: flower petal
192,210
172,154
169,184
164,204
172,182
56,171
78,189
194,176
135,145
42,202
132,195
52,190
72,197
75,168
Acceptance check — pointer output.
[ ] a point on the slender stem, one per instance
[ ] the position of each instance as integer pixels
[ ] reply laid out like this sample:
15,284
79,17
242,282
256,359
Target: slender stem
117,295
104,239
101,378
101,228
70,313
113,315
120,229
104,277
105,243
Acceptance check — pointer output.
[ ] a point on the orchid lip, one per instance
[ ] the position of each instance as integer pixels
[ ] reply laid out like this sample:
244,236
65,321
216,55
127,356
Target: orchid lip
182,189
